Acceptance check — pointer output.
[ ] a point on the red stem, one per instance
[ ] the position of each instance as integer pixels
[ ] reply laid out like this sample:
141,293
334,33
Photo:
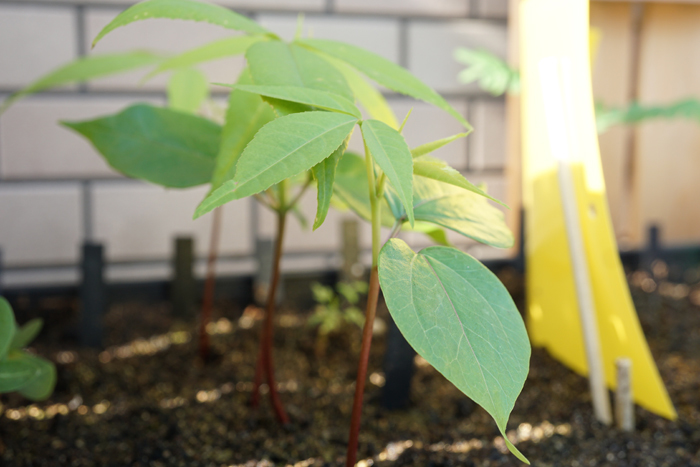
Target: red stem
208,299
372,298
265,361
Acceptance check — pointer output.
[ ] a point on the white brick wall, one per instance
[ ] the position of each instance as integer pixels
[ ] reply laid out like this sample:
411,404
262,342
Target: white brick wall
25,52
41,218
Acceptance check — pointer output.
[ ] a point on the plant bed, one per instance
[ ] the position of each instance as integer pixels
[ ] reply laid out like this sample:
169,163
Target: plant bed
142,402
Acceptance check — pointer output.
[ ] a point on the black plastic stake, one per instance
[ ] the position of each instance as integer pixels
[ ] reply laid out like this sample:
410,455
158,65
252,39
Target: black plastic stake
264,251
653,249
92,295
182,292
398,369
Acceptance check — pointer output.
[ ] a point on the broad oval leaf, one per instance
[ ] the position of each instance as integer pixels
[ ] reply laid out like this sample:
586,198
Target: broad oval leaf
41,385
84,69
246,114
226,47
26,333
15,372
461,211
391,153
459,317
182,9
281,149
187,90
162,146
385,73
439,170
307,96
8,327
324,174
427,148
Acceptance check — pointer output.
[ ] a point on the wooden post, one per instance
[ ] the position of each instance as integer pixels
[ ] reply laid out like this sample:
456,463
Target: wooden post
182,293
352,269
624,398
93,300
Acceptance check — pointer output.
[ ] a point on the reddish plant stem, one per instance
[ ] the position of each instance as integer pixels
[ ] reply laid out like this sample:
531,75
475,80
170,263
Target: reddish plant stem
265,361
209,284
370,312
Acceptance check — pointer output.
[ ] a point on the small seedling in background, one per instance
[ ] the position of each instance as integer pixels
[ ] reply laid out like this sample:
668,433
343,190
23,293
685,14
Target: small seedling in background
31,376
335,311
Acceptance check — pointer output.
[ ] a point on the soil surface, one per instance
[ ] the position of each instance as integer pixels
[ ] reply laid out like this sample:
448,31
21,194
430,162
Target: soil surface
147,401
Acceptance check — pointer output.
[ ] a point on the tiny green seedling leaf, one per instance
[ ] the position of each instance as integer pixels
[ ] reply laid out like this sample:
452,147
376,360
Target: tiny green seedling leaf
385,73
159,145
84,69
453,208
26,333
307,96
427,148
15,372
246,114
187,90
459,317
390,151
281,149
437,169
324,174
226,47
41,385
189,10
8,327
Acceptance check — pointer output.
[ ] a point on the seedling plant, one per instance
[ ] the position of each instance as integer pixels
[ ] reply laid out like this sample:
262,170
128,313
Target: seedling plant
292,112
31,376
334,311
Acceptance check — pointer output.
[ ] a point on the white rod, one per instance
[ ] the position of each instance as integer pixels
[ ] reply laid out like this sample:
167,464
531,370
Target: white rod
584,295
624,404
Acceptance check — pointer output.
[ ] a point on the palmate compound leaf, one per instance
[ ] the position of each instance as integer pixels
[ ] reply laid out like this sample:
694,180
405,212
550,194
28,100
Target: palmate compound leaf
456,209
281,149
190,10
459,317
384,72
162,146
246,114
8,327
324,174
226,47
307,96
85,69
276,63
391,153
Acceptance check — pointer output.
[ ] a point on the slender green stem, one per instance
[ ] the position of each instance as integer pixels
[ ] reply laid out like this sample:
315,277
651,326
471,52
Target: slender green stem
298,195
375,206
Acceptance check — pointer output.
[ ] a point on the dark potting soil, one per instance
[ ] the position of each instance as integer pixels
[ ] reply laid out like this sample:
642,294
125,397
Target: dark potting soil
147,401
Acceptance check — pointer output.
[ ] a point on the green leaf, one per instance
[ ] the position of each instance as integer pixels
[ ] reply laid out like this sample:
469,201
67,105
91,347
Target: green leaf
41,385
187,90
15,372
226,47
427,148
324,174
391,153
307,96
161,146
279,64
182,9
493,73
281,149
246,114
459,317
432,231
352,189
84,69
8,327
26,333
369,96
384,72
453,208
437,169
